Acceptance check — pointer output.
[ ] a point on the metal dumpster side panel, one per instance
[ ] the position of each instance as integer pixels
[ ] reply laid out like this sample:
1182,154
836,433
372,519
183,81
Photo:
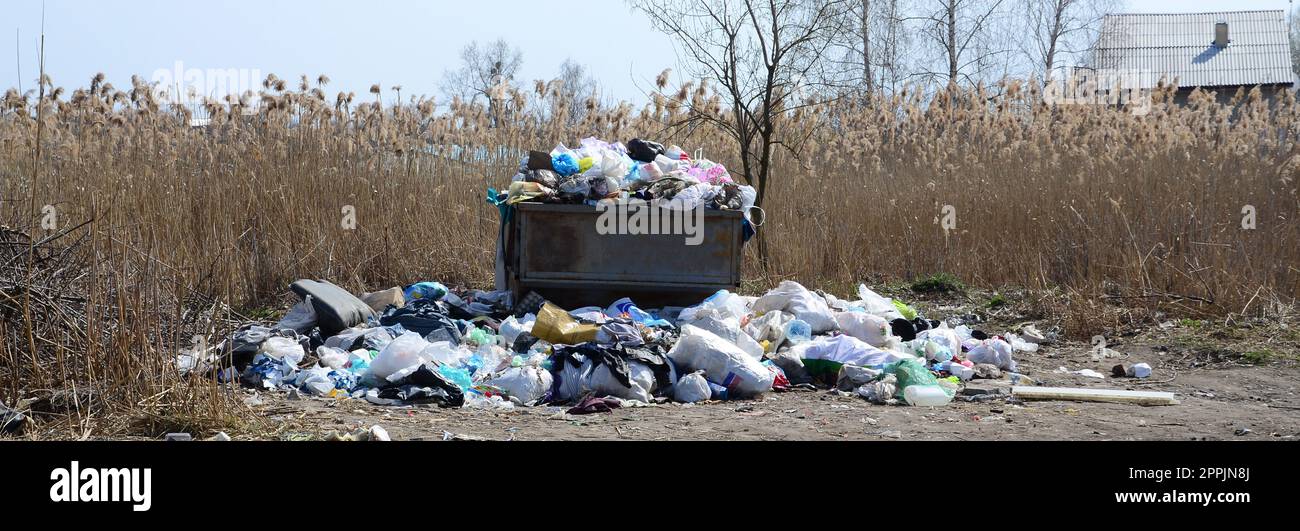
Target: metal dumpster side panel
558,251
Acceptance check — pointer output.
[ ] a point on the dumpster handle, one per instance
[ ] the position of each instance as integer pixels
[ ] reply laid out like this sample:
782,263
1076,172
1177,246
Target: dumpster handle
761,218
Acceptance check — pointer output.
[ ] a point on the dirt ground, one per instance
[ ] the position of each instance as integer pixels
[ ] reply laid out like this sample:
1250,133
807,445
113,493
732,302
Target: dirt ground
1221,397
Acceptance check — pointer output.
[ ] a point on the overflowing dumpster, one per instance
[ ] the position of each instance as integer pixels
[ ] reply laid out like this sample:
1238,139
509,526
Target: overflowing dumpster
565,254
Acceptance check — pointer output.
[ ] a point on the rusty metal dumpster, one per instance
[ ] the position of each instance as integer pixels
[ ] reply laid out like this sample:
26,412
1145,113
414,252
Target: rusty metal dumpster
562,253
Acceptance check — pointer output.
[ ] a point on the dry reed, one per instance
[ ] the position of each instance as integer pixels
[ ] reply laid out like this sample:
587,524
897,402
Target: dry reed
189,229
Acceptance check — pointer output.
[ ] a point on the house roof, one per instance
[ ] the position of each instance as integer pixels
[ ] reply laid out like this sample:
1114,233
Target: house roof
1152,47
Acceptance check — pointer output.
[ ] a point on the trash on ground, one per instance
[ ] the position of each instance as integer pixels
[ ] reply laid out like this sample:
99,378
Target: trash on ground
692,388
1087,373
11,420
1141,370
457,348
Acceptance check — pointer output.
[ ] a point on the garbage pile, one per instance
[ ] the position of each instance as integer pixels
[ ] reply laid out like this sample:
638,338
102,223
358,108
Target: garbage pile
599,171
427,344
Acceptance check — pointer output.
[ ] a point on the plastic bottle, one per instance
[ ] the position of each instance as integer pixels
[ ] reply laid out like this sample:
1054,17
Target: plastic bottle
926,396
798,331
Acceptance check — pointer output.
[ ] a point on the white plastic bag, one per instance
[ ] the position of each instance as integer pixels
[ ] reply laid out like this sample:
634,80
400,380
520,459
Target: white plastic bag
667,165
603,382
615,165
446,354
725,303
945,337
332,357
723,363
877,305
870,328
728,329
769,327
511,328
1020,345
994,352
494,402
792,297
561,150
527,384
315,381
748,197
493,359
650,173
686,200
403,353
301,318
283,348
594,314
597,159
847,350
692,388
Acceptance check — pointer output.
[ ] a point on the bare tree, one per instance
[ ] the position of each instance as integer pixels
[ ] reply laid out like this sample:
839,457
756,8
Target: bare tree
873,44
578,90
1057,31
893,43
485,70
760,54
963,32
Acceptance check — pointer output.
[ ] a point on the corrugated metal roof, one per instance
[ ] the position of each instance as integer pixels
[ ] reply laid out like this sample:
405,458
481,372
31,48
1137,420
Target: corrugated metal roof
1180,46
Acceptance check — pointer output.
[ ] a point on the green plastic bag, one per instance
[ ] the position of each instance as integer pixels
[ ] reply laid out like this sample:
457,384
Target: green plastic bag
907,311
912,372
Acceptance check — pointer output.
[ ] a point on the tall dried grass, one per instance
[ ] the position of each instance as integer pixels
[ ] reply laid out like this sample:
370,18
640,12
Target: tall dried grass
192,228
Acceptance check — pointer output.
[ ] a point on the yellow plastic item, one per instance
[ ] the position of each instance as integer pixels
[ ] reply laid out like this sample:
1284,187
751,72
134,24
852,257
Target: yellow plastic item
556,326
586,164
907,311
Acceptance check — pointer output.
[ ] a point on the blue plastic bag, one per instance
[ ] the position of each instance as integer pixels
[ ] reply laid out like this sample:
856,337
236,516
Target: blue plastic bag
565,164
629,308
426,290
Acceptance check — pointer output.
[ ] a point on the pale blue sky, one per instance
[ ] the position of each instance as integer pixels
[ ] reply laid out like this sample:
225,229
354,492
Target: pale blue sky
406,42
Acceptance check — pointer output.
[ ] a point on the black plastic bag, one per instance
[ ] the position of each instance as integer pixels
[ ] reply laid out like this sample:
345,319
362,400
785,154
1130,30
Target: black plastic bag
425,317
523,342
426,385
476,304
644,150
245,342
